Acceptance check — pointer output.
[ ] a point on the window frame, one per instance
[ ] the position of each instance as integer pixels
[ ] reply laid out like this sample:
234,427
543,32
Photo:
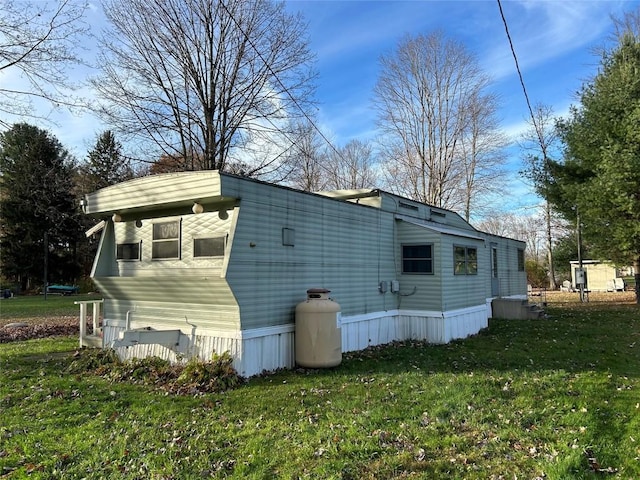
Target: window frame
430,260
288,237
138,244
468,264
223,238
521,259
494,261
165,239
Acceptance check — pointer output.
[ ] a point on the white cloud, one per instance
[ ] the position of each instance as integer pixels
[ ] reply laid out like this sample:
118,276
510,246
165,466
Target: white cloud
543,30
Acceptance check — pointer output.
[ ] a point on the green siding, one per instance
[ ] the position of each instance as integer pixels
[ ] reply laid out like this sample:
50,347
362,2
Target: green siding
208,302
427,288
105,262
165,291
338,245
152,193
460,291
511,281
341,245
442,291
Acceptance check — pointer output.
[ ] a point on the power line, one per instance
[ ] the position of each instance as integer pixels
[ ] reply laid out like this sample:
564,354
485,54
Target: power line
286,90
524,89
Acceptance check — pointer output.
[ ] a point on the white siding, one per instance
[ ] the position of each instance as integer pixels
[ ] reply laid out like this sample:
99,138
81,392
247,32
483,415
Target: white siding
153,192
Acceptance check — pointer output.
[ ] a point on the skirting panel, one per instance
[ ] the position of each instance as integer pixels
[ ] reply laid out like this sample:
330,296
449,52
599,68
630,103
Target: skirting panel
253,351
271,348
362,331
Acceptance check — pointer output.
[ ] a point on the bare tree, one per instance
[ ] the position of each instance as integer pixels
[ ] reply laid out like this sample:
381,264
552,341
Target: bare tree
434,115
528,228
306,159
481,156
38,45
628,23
198,78
351,167
538,144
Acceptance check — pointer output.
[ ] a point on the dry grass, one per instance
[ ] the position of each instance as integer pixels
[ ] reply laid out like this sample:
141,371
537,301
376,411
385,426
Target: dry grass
559,299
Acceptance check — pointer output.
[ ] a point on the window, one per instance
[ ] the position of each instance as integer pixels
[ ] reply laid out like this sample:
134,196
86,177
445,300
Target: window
465,260
166,240
417,259
520,260
209,247
128,251
494,262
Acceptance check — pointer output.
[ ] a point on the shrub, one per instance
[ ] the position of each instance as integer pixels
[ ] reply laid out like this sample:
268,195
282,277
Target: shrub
216,375
93,359
537,274
195,377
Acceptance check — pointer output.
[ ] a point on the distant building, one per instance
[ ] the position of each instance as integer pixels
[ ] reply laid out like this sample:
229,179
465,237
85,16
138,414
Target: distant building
601,276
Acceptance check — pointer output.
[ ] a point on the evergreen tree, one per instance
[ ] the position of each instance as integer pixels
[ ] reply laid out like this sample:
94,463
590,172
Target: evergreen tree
37,207
105,165
599,179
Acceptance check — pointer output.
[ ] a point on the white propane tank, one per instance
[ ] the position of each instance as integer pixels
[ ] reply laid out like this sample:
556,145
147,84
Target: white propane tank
318,337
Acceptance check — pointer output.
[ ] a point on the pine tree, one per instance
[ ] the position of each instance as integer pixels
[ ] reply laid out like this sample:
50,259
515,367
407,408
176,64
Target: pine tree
600,176
37,207
105,165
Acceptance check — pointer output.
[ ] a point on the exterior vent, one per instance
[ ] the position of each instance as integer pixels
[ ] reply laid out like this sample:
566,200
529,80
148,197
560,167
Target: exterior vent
408,206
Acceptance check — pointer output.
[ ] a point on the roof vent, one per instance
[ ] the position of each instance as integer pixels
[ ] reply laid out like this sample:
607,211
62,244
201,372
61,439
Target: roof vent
408,206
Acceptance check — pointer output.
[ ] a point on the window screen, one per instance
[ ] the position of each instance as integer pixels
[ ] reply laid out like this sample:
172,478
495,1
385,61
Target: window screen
128,251
520,260
166,240
465,260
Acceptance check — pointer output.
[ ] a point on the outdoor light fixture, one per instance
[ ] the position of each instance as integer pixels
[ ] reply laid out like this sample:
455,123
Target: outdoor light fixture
197,208
223,215
138,223
116,217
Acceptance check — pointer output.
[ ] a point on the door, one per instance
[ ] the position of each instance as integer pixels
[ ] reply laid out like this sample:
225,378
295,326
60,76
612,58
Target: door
495,281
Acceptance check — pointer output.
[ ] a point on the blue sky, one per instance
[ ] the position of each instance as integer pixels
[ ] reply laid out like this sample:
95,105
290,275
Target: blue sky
554,41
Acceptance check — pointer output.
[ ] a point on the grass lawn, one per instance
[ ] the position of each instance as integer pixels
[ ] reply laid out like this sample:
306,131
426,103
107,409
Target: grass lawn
557,398
29,306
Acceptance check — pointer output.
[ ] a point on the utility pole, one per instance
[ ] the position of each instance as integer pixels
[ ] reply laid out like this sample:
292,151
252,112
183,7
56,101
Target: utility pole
583,279
46,263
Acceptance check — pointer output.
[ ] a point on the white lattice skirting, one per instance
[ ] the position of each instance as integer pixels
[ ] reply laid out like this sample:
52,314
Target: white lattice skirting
270,348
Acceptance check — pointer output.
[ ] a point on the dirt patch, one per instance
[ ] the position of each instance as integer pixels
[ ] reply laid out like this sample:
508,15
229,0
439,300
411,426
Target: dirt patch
14,330
560,298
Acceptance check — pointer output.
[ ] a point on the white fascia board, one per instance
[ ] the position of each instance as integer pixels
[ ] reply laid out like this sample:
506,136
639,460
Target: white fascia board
95,229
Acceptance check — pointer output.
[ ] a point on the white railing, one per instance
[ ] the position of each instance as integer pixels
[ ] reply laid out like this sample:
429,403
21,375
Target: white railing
95,317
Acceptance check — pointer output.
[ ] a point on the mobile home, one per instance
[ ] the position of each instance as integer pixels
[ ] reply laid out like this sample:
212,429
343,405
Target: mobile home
599,276
194,263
